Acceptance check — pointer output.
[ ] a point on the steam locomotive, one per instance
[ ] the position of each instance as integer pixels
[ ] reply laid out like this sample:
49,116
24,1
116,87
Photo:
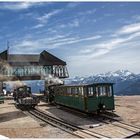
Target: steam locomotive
24,98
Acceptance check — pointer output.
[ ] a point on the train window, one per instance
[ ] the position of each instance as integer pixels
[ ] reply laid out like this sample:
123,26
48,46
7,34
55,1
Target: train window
76,91
103,91
107,90
73,91
97,91
110,91
81,91
69,90
90,91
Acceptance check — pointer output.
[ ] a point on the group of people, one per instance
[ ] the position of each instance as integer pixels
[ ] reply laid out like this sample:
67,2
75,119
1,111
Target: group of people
7,93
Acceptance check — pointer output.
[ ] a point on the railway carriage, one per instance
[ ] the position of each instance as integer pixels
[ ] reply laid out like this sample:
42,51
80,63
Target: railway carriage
88,98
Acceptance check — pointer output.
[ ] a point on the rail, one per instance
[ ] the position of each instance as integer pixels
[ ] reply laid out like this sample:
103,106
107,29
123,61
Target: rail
101,118
121,124
70,128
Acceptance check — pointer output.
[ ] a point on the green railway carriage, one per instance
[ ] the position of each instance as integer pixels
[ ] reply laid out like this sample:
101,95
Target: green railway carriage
88,98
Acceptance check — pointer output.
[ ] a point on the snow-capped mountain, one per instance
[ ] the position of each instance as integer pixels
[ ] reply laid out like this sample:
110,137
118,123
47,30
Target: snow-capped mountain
125,82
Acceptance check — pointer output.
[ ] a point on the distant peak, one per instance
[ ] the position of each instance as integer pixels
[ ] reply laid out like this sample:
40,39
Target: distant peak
123,72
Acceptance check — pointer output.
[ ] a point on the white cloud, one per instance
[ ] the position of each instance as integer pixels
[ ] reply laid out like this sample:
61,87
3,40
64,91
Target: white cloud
92,38
85,51
131,28
38,26
31,45
26,46
47,16
72,4
35,45
100,49
74,23
43,20
88,52
93,11
67,41
17,5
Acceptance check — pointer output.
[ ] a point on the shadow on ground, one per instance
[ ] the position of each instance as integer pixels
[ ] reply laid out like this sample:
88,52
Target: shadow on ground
76,117
72,117
11,115
11,103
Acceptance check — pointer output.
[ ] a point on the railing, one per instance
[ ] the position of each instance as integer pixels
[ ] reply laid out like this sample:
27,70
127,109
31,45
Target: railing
56,70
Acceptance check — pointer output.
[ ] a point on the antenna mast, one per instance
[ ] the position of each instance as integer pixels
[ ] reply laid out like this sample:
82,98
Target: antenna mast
8,47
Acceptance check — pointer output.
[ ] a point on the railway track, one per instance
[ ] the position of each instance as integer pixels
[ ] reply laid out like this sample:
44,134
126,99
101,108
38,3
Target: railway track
112,120
115,125
59,123
119,123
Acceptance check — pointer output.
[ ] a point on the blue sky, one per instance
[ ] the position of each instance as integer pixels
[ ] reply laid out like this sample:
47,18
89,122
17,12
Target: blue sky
92,38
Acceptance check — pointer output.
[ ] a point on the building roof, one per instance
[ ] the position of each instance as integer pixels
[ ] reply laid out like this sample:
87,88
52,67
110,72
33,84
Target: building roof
44,58
3,55
48,59
23,58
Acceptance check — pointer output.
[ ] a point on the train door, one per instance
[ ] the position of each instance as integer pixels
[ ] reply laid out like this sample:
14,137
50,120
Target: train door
92,101
101,93
105,96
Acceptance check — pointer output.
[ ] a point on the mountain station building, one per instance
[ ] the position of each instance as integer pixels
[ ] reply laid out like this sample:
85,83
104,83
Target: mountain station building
31,66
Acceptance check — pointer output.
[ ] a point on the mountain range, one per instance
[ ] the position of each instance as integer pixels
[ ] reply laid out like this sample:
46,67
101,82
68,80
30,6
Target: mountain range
125,82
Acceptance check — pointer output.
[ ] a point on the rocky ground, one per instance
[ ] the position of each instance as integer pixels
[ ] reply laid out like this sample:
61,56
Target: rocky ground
15,124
